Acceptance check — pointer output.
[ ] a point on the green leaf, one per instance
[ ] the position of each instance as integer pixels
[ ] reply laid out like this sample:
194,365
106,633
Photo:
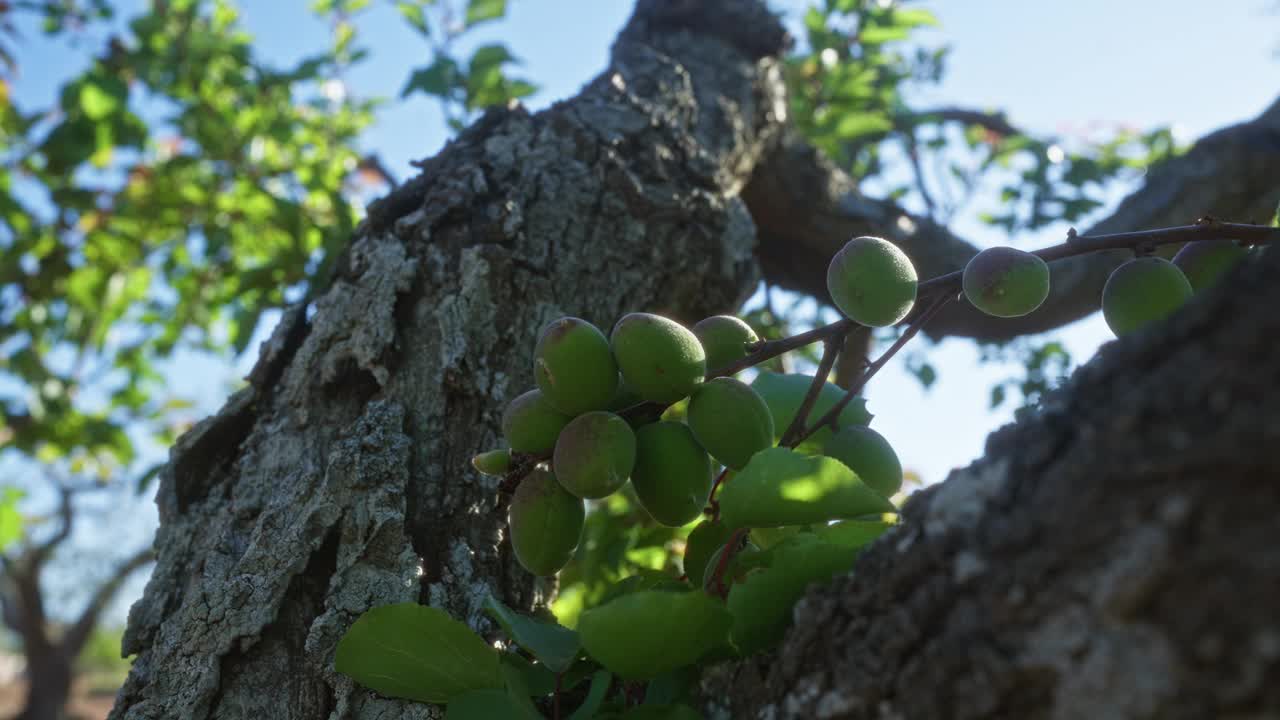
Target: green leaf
784,394
537,678
645,634
853,534
102,96
10,519
761,603
853,125
415,15
914,17
438,78
490,56
518,693
418,653
485,704
479,11
554,646
600,683
657,712
780,487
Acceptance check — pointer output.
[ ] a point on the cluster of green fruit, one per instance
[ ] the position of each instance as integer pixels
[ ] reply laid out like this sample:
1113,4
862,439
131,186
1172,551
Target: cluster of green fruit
874,283
1146,289
578,418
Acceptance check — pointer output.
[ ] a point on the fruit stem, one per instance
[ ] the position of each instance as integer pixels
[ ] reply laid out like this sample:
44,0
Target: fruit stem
830,351
731,549
713,505
832,415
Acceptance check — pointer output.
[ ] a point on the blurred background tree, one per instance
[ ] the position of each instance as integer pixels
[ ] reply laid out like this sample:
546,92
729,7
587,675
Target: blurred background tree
182,189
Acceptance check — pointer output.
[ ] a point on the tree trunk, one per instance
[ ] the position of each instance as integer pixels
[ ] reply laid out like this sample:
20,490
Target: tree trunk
48,686
340,478
1114,557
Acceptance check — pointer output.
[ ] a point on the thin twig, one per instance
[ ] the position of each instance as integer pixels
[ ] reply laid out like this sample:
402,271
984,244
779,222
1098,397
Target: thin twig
830,351
833,414
731,548
713,505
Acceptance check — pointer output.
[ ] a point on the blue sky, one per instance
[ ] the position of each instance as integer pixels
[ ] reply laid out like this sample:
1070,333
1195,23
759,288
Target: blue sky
1053,67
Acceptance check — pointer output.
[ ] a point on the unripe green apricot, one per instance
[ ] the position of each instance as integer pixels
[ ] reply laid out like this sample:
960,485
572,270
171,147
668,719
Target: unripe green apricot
724,338
545,522
868,454
872,282
1006,282
531,425
574,367
594,454
672,474
492,462
1204,262
1142,291
730,420
660,359
703,542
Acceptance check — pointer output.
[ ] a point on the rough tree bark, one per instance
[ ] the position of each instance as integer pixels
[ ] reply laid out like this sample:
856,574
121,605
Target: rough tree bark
339,478
1117,556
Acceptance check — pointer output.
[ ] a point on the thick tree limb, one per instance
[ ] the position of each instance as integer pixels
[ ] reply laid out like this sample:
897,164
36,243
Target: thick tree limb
805,209
1113,556
39,555
74,638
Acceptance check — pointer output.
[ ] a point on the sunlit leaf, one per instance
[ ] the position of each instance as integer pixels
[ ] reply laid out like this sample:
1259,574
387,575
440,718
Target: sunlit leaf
554,646
11,522
418,653
479,11
761,604
780,487
621,635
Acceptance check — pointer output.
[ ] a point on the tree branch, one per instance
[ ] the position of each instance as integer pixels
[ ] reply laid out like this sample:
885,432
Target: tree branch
1077,568
805,209
40,553
76,636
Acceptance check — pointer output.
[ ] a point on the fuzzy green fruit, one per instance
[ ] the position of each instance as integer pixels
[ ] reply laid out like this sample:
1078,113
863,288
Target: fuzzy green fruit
724,338
868,454
546,523
574,367
661,360
703,542
730,420
872,282
594,455
492,462
672,474
531,425
624,397
1206,261
1006,282
1142,291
